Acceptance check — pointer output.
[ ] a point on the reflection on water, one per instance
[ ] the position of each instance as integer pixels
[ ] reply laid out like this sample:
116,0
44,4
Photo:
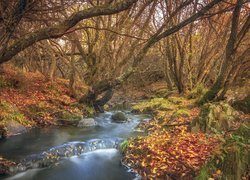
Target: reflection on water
99,164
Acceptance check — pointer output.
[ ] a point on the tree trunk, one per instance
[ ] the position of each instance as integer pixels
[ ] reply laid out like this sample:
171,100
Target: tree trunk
105,85
215,92
72,72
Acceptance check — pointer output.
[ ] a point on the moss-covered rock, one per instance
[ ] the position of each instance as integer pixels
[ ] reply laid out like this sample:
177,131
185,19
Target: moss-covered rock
119,117
152,105
67,118
218,116
12,121
87,122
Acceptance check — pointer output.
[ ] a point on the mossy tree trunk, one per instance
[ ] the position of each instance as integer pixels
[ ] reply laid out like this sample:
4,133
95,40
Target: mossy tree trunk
107,85
227,73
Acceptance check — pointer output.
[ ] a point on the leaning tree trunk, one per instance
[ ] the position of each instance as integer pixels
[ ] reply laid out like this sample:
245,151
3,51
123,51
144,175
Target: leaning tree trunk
91,97
215,93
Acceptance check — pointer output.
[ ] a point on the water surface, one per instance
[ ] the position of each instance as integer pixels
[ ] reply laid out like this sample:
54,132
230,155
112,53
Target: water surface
103,164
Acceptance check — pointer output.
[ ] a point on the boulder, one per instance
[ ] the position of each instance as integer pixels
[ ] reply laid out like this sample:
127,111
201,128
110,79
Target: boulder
14,128
218,116
86,122
68,118
119,117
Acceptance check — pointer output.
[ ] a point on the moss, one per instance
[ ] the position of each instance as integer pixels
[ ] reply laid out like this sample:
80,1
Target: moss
88,110
204,173
163,92
243,131
39,108
38,111
10,112
123,146
210,94
215,117
153,104
68,116
181,113
198,92
176,99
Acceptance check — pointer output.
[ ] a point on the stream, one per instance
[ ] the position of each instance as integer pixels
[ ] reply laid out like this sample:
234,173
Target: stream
80,153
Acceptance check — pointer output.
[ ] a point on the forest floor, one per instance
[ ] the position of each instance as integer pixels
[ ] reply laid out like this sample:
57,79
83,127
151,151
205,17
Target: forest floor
31,100
171,149
174,148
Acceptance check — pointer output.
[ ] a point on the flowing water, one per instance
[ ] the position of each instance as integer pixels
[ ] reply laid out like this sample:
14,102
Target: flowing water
92,152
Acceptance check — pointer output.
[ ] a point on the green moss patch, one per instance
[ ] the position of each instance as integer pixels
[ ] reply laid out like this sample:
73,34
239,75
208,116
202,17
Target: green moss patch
198,92
181,113
68,118
152,105
10,112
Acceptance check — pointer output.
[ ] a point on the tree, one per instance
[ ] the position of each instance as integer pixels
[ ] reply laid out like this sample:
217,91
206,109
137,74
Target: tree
102,86
231,61
54,31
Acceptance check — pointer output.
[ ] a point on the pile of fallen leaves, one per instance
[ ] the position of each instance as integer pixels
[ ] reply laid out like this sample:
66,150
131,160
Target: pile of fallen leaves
162,154
170,150
24,90
5,164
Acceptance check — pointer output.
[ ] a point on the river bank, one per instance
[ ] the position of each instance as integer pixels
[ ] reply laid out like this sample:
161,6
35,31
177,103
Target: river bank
72,152
188,141
183,137
29,100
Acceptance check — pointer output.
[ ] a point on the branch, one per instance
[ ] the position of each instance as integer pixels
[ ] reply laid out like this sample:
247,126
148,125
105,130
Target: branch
106,29
61,28
154,39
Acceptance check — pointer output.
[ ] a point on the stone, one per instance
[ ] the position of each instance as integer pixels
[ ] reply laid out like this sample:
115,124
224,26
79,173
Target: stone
5,165
119,117
14,128
68,118
218,116
86,122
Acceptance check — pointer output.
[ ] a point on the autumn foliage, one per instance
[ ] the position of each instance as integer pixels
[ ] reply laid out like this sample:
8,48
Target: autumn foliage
170,150
29,91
